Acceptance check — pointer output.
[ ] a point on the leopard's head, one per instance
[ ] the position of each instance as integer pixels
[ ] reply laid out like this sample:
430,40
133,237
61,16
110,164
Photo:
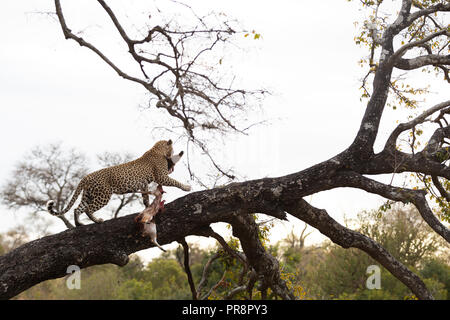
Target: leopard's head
164,147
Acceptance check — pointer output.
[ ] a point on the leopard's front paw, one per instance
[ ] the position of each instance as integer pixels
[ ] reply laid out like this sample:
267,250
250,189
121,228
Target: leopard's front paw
186,187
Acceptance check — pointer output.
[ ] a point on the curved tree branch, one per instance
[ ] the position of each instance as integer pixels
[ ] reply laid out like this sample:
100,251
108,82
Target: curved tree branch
391,142
401,51
417,197
422,61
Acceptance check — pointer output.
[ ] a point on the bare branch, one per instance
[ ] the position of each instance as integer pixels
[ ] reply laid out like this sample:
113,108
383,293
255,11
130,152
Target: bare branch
187,269
179,78
422,61
204,277
235,291
214,287
443,7
400,52
69,35
391,142
417,197
209,232
441,189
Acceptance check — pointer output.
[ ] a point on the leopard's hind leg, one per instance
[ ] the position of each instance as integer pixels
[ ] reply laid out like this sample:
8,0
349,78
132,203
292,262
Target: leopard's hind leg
92,201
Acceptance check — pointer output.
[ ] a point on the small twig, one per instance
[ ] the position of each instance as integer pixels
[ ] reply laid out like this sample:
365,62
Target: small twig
206,296
205,272
440,188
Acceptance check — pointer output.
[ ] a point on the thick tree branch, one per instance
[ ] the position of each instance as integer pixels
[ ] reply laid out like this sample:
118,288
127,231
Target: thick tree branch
265,265
422,61
436,141
417,197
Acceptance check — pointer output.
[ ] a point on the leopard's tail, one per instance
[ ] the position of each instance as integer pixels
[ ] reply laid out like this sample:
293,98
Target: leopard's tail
75,196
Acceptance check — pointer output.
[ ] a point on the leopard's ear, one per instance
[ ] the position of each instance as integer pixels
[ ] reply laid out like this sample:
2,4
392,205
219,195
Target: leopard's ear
169,142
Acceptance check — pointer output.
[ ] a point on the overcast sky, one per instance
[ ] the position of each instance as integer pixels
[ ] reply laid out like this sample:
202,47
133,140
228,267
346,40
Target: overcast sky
52,90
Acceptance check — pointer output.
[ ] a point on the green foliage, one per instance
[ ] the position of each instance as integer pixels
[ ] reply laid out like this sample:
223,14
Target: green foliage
439,270
402,232
167,278
436,288
135,290
332,272
342,271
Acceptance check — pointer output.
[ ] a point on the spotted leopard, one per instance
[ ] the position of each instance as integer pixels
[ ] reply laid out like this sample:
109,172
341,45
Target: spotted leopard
133,176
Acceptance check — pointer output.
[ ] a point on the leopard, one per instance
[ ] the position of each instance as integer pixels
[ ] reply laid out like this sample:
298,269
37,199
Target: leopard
130,177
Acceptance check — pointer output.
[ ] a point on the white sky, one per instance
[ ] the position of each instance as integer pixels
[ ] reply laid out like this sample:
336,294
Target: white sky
53,90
